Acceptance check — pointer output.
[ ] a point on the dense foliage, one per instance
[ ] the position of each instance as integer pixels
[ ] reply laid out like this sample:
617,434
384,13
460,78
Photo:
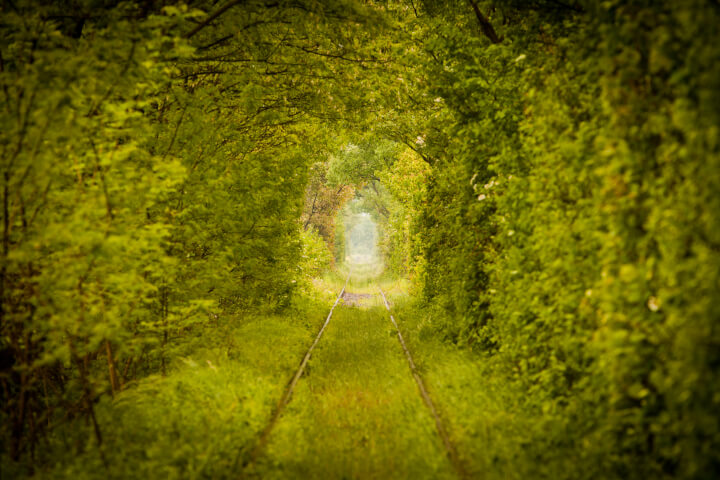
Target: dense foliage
546,172
154,167
572,226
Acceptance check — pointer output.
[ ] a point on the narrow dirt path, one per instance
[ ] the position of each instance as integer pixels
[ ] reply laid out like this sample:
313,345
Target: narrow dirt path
357,299
356,412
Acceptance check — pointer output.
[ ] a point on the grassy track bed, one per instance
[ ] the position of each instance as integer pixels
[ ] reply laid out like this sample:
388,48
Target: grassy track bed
356,413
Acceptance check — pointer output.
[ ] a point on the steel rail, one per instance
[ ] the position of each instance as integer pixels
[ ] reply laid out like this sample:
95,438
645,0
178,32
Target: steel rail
439,425
285,399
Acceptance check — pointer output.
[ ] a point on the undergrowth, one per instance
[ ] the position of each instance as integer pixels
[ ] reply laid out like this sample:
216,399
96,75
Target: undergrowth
501,430
196,422
356,412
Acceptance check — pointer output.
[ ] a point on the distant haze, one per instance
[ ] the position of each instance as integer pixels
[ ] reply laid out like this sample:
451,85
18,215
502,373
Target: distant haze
362,240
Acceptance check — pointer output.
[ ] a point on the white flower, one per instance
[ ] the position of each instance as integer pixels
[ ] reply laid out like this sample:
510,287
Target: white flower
481,197
511,233
653,304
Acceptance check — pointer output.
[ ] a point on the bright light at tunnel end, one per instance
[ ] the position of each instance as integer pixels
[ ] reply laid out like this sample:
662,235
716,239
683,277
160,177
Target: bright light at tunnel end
362,238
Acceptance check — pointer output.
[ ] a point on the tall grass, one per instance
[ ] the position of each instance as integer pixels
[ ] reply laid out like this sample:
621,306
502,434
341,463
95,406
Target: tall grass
501,431
196,422
357,412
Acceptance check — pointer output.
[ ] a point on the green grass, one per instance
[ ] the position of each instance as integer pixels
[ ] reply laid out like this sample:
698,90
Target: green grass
364,278
500,431
199,420
356,412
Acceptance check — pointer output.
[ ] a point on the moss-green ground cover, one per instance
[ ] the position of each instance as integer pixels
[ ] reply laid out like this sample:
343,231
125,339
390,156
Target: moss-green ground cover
357,412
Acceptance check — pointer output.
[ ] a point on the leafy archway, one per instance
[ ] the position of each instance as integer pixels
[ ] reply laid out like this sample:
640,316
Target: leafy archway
546,172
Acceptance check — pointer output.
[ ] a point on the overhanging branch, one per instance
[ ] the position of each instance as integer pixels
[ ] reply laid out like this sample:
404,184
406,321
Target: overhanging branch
212,17
485,24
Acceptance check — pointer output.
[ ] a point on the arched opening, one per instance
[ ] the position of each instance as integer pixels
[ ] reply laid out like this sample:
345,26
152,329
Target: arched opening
362,238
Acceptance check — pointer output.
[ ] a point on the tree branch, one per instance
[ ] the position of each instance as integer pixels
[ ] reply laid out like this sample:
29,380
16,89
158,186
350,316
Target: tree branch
485,24
212,17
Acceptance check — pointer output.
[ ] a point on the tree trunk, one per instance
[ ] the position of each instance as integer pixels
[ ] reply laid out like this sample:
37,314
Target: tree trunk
114,383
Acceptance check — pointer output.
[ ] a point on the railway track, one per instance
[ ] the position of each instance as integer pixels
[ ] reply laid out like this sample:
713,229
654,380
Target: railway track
442,431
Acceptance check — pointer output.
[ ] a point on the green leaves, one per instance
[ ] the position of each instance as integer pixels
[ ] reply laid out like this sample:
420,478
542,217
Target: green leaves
553,235
557,199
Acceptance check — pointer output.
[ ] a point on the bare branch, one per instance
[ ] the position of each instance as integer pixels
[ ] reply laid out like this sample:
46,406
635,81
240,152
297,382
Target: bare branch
212,17
485,24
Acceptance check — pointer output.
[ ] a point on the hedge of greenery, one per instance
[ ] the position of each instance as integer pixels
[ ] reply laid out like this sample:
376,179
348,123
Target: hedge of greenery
572,230
154,163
